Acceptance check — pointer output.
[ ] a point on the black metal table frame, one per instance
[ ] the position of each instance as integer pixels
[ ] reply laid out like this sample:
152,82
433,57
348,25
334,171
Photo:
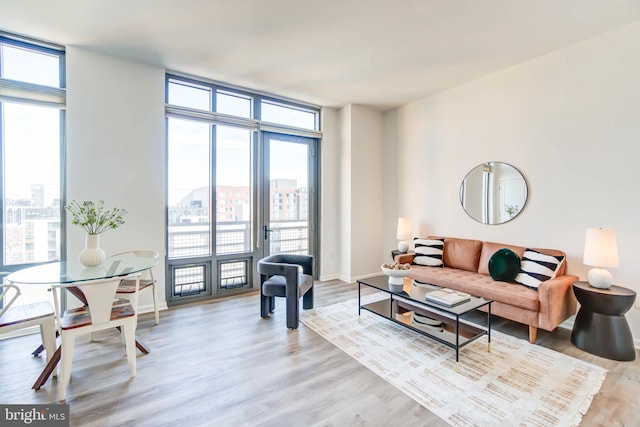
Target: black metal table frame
432,308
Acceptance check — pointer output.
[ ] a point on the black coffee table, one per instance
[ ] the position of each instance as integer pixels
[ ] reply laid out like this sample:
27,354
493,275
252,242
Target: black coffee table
403,308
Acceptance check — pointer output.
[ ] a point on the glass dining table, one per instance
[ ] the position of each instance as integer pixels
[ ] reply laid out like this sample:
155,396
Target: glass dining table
66,272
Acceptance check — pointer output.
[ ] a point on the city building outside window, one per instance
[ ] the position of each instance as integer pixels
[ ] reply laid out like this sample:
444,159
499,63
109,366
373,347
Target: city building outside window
32,100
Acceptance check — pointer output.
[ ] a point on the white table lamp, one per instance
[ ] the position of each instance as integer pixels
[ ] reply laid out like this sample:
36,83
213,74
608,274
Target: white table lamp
600,250
403,234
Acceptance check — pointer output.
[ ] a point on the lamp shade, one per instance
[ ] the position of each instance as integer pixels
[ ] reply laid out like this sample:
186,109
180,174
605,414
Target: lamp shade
404,229
601,248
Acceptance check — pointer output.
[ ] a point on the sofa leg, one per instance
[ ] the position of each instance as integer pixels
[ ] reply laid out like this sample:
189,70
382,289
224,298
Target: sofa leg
533,333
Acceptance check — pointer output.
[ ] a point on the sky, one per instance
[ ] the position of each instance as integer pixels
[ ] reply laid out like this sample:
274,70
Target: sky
189,157
31,134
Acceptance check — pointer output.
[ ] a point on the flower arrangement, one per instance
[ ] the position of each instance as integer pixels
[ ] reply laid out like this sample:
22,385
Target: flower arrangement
93,217
511,210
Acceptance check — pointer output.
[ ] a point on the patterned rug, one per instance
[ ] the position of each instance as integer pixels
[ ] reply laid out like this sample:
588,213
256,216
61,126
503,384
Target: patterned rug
516,384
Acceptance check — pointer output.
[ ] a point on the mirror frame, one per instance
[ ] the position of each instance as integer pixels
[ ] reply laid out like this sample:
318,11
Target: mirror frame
482,180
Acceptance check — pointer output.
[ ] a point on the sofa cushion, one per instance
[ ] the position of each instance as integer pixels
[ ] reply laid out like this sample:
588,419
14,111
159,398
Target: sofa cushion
562,269
428,252
504,265
537,267
461,253
480,285
490,248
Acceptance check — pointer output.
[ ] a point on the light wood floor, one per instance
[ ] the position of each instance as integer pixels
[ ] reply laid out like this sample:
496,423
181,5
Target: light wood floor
219,363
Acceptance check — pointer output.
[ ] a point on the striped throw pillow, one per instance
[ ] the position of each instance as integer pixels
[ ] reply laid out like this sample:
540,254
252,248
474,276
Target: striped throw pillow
428,252
537,267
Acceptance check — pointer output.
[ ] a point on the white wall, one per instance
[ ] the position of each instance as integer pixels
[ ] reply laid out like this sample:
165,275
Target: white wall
343,197
329,190
367,191
568,120
116,150
360,190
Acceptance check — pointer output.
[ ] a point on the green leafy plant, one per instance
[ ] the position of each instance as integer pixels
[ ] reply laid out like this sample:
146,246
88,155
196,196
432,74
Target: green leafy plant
93,217
511,210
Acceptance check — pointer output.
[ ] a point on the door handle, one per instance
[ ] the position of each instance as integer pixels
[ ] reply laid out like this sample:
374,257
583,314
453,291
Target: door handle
267,230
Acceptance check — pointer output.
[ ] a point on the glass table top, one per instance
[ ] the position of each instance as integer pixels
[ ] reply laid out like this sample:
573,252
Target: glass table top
72,271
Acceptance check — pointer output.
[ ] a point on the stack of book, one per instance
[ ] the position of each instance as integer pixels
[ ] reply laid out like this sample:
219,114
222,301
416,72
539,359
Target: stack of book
447,297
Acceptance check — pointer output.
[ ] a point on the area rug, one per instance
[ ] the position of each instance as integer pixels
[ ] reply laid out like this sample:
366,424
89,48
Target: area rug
516,384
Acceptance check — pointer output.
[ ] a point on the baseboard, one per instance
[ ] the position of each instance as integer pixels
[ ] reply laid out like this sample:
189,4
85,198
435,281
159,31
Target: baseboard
568,324
148,308
365,276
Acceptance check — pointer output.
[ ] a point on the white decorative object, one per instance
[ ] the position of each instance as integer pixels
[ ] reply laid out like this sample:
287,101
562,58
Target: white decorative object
600,250
92,255
94,219
396,276
403,233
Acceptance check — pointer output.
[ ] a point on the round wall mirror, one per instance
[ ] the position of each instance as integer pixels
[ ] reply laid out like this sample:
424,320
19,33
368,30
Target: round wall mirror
493,193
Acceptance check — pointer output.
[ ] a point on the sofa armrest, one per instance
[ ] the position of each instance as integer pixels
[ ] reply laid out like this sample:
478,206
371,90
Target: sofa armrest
405,258
557,301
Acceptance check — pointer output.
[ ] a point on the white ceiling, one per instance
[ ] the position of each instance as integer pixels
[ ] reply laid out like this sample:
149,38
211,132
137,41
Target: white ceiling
382,53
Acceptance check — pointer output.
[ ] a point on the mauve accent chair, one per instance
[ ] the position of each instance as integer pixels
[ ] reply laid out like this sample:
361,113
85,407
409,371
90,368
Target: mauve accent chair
280,276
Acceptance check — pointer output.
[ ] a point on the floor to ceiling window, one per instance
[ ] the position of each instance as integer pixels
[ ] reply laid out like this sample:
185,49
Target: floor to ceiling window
32,102
242,179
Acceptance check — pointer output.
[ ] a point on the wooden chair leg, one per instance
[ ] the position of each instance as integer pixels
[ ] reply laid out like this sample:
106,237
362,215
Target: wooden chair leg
48,369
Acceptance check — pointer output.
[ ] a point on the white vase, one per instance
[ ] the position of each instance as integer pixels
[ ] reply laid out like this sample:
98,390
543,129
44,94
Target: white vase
92,255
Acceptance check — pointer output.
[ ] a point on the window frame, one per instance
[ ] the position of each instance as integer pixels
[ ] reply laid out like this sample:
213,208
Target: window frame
258,126
16,91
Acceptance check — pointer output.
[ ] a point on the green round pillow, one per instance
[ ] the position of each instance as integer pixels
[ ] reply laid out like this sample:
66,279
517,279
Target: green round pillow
504,265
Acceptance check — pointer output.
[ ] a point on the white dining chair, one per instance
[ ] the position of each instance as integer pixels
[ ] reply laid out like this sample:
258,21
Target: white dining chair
16,317
102,311
147,281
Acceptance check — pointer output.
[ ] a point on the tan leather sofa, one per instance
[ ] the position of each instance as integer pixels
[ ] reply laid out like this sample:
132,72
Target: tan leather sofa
466,269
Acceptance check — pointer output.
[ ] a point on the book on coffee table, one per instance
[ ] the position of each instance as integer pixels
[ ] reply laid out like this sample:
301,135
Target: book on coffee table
447,297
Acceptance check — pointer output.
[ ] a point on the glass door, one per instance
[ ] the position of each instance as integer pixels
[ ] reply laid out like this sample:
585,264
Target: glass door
289,188
220,226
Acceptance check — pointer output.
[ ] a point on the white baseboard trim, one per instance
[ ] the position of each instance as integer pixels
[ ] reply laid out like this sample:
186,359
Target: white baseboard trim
366,276
148,308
